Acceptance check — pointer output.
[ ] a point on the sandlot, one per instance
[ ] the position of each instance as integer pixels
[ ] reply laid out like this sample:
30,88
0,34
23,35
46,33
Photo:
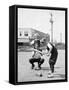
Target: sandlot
25,73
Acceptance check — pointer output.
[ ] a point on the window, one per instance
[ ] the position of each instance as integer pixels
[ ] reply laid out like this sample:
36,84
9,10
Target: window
25,33
20,34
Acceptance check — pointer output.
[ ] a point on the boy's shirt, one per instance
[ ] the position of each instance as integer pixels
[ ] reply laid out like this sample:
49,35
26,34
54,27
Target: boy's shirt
36,54
48,50
49,46
32,42
52,50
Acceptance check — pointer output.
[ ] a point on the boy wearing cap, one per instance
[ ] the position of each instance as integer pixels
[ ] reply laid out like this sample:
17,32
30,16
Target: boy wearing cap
36,56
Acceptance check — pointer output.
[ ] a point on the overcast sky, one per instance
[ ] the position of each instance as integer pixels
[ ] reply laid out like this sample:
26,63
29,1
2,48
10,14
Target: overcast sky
40,20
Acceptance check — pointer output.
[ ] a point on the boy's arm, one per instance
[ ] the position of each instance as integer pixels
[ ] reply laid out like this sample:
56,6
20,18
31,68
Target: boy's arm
38,51
48,54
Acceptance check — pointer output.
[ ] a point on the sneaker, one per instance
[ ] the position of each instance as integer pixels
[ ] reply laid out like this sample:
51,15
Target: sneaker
32,67
51,75
40,68
49,72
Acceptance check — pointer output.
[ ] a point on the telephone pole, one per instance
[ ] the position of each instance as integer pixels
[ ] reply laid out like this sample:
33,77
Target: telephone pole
51,21
61,37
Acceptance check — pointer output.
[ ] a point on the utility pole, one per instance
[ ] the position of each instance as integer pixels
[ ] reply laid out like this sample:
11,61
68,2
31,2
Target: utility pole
61,37
51,21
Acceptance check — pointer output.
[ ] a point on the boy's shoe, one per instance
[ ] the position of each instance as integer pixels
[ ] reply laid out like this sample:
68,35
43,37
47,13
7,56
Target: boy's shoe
49,72
32,67
51,75
39,67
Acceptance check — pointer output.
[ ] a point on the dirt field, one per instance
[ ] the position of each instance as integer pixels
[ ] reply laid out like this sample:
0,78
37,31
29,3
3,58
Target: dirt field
25,73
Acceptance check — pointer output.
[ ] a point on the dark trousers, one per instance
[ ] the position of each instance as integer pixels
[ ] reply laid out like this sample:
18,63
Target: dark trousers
39,61
52,62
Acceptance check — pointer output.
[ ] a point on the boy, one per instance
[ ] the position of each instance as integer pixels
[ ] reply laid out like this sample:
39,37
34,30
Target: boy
36,56
52,51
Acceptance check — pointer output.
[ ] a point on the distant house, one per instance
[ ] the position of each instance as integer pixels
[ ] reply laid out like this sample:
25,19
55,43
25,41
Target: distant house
24,34
27,34
60,45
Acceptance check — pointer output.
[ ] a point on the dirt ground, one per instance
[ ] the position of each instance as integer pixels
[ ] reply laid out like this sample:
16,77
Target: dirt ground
25,73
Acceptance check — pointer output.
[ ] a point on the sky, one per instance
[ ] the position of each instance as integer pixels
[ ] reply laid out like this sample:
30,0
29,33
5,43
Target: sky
39,19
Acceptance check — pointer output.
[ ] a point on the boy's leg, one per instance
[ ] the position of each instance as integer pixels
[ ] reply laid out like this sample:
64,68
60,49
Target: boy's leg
32,62
41,61
52,67
52,62
51,74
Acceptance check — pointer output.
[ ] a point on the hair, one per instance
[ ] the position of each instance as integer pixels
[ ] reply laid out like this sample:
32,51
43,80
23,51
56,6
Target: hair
37,42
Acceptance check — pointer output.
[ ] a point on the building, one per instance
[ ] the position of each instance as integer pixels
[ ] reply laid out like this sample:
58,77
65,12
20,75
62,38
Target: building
27,34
